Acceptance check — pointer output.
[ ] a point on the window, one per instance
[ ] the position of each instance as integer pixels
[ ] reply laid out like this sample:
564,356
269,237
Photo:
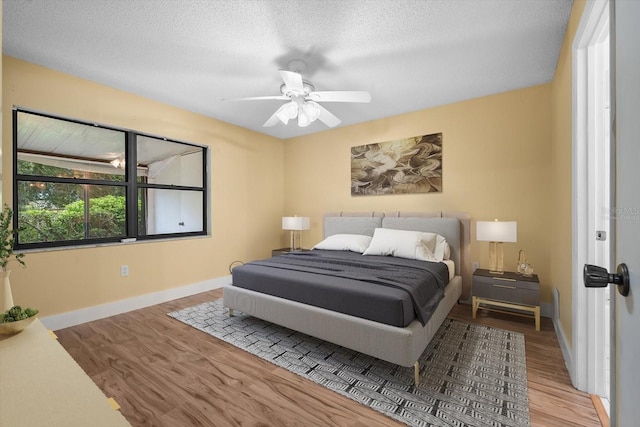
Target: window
79,183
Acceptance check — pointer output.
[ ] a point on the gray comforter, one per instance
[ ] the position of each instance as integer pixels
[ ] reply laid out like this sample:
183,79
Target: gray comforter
423,282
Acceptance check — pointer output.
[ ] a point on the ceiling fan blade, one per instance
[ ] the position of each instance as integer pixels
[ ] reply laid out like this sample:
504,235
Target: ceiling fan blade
273,120
292,80
255,98
327,117
340,96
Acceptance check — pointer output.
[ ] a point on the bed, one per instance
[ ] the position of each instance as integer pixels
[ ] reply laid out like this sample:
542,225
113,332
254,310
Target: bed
400,339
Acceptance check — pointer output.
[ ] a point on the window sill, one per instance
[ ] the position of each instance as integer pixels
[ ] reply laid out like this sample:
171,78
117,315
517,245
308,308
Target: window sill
99,245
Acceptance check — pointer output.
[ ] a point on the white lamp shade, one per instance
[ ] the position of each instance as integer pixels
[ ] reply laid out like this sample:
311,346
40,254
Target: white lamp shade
497,231
295,223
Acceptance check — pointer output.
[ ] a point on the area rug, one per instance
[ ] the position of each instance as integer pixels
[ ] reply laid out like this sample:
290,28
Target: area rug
470,375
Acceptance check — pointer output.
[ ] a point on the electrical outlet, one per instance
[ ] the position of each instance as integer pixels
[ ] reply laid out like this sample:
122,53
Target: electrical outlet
476,265
124,270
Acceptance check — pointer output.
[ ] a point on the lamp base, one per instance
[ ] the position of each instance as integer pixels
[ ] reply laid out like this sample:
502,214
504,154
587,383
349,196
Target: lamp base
496,258
295,241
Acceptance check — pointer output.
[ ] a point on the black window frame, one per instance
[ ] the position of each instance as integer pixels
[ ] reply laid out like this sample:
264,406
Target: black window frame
130,184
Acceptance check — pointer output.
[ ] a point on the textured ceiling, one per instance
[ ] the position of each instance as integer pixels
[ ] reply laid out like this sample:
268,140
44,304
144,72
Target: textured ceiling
409,54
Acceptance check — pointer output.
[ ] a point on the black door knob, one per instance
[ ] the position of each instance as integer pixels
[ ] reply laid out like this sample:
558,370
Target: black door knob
599,277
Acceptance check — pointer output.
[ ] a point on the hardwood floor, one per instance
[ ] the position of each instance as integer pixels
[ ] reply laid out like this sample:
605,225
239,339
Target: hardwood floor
165,373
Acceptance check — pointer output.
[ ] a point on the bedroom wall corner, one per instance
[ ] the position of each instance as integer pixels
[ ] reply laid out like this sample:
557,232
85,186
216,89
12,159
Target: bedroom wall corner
495,165
246,184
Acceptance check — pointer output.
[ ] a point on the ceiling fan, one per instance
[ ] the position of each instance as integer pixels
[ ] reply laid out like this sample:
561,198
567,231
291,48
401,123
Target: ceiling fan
304,99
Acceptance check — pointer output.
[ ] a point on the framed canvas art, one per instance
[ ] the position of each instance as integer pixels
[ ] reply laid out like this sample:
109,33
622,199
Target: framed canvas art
402,166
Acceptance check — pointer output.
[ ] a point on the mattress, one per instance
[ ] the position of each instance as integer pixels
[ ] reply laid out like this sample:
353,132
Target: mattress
328,285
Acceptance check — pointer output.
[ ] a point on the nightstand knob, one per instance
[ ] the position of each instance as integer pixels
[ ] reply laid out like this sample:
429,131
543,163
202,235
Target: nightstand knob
599,277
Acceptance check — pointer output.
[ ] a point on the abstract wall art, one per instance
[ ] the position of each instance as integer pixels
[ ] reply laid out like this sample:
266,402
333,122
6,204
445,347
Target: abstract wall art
402,166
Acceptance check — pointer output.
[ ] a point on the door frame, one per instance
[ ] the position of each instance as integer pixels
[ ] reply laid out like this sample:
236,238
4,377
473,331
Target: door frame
584,367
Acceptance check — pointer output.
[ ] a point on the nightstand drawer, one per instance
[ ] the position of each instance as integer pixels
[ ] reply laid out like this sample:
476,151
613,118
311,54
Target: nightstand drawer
504,290
507,293
507,287
507,280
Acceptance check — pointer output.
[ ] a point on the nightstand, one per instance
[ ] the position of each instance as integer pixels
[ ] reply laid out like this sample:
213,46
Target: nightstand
282,251
508,290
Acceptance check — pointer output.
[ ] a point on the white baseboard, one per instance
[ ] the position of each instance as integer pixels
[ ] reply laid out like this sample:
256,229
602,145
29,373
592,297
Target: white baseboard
72,318
546,309
566,349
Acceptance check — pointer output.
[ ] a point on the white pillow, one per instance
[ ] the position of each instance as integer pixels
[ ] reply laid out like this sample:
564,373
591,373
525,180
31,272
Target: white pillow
345,242
446,251
430,240
424,253
408,244
437,245
399,243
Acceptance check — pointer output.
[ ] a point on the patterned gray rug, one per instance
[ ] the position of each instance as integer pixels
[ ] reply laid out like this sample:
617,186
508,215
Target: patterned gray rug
470,375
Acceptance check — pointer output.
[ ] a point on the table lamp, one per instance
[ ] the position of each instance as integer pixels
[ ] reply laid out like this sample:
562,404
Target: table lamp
295,224
496,232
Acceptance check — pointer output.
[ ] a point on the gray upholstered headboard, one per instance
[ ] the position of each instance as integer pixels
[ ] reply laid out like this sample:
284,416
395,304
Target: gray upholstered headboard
337,224
454,226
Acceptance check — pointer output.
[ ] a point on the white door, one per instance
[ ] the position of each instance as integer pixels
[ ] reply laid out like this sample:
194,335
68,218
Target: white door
626,54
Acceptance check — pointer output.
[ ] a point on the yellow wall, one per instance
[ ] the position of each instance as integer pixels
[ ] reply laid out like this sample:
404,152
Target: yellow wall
496,164
246,192
561,135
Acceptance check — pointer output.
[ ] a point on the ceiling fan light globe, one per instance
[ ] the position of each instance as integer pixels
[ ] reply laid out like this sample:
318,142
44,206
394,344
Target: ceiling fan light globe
303,119
292,109
283,116
117,163
287,111
311,109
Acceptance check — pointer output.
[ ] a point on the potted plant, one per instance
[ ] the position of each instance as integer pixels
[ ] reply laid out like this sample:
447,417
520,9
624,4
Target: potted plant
7,239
